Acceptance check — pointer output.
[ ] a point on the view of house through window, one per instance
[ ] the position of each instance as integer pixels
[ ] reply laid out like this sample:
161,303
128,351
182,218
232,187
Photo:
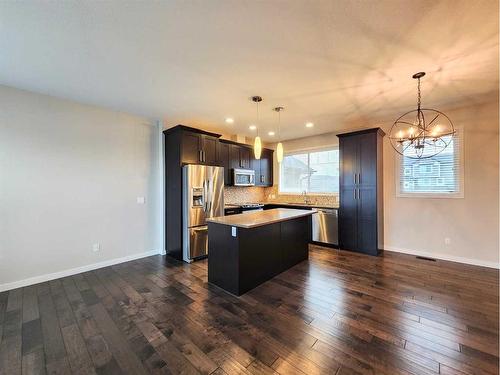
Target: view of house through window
313,172
439,174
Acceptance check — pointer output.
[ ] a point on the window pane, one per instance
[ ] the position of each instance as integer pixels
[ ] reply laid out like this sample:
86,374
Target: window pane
294,173
437,174
315,172
324,171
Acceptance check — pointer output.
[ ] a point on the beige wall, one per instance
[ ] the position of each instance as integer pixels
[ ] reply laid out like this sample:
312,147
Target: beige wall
420,225
70,176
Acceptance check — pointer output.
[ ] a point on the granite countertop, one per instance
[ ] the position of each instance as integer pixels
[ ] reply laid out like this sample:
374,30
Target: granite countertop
260,218
313,205
288,204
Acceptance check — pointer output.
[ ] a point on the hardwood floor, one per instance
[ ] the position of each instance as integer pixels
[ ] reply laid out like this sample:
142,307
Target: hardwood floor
338,313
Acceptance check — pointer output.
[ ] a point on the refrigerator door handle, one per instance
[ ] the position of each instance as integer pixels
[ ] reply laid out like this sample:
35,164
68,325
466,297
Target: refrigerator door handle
209,195
205,196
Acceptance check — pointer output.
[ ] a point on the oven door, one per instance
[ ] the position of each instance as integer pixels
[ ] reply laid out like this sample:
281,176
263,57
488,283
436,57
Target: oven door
243,177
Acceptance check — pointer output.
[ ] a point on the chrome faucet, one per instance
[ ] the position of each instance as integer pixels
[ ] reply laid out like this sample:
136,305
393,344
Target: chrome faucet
306,198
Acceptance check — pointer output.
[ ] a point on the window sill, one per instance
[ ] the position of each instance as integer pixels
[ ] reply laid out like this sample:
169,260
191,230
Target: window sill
310,194
431,195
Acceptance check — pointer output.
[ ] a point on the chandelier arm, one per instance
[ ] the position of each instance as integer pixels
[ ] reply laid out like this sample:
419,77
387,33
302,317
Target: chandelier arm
430,123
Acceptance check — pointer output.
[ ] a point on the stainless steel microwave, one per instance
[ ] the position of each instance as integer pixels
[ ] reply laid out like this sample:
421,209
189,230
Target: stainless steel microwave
243,177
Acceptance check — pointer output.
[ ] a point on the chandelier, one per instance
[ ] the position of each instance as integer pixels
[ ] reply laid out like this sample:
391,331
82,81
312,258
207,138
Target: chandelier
422,132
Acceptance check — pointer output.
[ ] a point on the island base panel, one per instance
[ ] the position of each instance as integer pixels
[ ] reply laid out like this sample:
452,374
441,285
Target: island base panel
239,264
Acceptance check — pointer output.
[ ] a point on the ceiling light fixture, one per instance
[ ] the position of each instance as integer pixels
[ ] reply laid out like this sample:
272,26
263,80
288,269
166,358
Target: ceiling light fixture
252,127
229,120
257,146
279,146
417,133
271,133
309,124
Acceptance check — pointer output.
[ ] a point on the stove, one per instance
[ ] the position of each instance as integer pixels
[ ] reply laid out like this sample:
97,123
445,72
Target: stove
243,208
252,205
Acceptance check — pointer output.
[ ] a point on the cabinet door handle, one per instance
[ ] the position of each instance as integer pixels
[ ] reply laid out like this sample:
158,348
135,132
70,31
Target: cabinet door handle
354,193
204,156
359,178
354,178
200,157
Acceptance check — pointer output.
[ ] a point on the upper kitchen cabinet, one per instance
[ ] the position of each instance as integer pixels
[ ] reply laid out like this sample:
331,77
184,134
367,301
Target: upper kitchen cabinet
361,205
239,156
263,168
232,155
197,146
223,157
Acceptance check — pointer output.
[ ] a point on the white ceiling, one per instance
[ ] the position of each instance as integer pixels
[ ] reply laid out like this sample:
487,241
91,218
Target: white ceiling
197,62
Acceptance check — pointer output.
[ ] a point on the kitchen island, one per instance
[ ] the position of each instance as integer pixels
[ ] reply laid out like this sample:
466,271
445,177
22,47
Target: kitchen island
246,250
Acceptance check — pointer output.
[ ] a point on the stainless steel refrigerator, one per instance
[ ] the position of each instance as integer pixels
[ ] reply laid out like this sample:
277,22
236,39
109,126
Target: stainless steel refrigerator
202,198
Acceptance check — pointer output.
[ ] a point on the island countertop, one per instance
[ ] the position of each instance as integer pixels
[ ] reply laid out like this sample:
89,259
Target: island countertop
260,218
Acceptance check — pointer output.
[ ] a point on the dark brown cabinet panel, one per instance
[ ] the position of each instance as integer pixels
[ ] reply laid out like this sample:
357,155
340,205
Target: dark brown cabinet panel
223,161
183,145
263,168
191,148
234,157
266,168
209,149
239,156
245,157
360,214
198,148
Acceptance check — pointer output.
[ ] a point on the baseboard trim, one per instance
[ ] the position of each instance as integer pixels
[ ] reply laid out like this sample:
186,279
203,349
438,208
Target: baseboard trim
450,258
74,271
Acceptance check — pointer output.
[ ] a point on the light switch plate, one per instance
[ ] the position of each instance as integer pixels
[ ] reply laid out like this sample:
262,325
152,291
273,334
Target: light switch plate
233,231
140,200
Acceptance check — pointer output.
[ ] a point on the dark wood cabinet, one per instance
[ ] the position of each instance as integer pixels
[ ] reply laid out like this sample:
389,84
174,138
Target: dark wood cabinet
183,145
263,168
361,205
245,157
198,148
223,157
239,156
232,155
209,149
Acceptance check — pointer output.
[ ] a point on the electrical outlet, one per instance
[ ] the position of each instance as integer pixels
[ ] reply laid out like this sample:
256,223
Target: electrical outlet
447,241
140,200
96,247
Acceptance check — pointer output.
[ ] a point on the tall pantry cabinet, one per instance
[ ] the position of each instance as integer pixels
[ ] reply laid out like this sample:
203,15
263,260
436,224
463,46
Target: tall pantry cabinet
361,224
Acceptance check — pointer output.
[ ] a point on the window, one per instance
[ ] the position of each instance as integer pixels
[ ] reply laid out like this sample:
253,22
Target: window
440,176
315,172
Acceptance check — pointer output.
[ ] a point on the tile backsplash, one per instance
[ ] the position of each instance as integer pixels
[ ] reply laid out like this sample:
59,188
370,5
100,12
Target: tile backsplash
235,195
239,194
272,195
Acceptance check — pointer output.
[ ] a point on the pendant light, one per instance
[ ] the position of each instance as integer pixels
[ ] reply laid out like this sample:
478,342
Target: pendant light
257,146
422,132
279,146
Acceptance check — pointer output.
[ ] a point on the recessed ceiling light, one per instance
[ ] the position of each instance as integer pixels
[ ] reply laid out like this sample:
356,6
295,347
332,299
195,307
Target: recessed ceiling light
309,124
271,133
252,127
229,120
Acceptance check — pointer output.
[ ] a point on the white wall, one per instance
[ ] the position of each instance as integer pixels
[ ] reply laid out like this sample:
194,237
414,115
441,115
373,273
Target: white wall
70,176
418,225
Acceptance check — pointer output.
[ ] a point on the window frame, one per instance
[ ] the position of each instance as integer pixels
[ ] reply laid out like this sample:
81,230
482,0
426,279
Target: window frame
307,151
430,195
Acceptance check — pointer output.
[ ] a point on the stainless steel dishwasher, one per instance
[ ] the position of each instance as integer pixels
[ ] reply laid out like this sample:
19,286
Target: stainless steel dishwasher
325,226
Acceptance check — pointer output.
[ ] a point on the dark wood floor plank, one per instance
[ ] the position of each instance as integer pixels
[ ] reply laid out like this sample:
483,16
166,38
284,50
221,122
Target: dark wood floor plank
78,356
30,304
337,313
53,344
119,346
